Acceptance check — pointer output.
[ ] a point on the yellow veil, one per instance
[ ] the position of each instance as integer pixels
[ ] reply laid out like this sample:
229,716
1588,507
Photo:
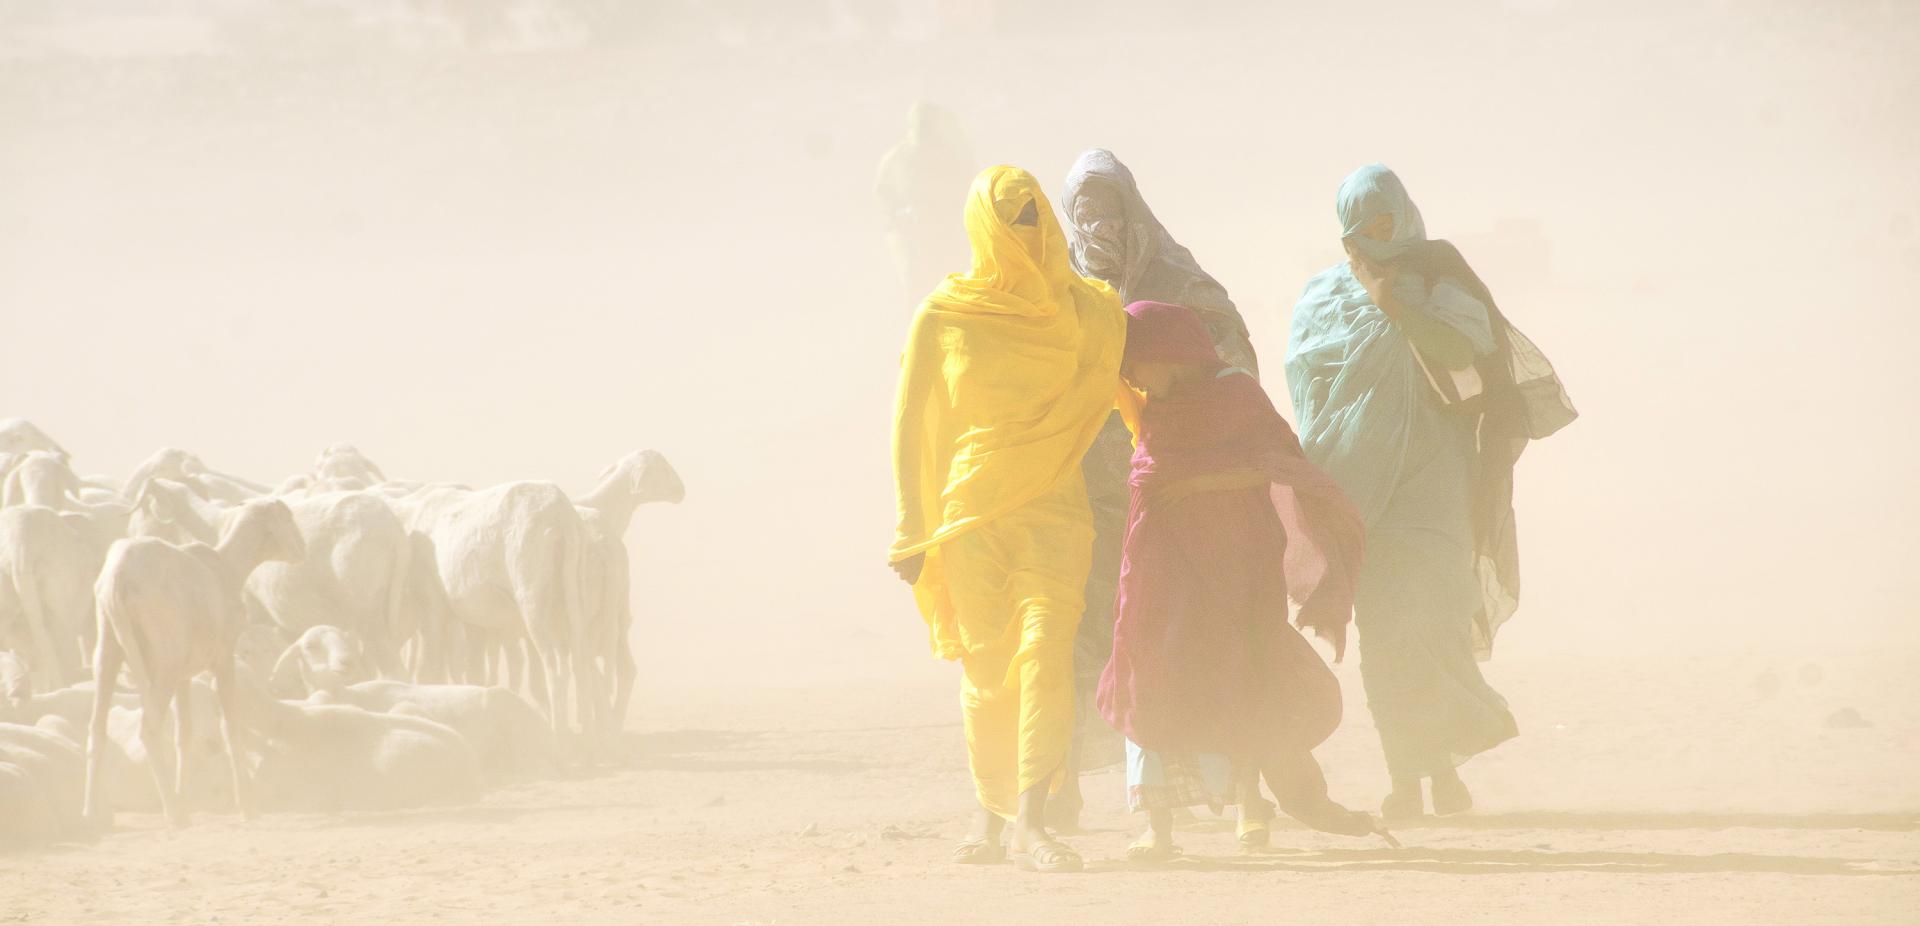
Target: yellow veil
1010,371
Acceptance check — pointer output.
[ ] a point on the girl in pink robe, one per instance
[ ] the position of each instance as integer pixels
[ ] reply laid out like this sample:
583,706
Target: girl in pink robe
1227,520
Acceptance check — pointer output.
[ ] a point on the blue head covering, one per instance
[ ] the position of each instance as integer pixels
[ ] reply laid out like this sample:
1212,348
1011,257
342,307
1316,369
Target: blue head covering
1371,191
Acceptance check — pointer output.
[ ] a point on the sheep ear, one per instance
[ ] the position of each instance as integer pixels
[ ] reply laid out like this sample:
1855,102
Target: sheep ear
280,666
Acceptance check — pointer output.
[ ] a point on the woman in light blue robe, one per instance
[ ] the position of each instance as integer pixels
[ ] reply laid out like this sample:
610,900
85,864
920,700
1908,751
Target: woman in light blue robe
1367,415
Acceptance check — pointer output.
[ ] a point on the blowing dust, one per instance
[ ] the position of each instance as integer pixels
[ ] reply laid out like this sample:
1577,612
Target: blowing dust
522,246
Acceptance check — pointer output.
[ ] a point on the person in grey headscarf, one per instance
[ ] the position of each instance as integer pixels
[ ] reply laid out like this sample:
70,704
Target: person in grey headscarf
1112,236
1115,237
921,184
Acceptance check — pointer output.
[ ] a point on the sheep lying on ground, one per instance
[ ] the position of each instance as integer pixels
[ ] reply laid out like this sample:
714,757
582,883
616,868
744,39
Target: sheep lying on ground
39,786
334,757
71,705
172,612
506,733
324,658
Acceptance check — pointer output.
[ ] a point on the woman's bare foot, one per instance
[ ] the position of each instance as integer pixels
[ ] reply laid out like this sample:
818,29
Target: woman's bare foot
1030,846
1152,846
982,845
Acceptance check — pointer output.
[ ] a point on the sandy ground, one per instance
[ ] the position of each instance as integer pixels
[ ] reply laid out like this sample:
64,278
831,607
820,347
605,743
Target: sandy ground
1665,791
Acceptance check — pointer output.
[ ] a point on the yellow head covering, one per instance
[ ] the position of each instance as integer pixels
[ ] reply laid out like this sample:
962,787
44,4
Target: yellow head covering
1009,373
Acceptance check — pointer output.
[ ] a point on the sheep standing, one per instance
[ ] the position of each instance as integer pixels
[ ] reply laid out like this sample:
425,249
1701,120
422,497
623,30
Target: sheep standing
506,733
354,576
171,612
48,562
505,563
634,480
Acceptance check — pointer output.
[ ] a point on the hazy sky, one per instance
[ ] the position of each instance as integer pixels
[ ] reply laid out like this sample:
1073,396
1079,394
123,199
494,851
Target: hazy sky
524,260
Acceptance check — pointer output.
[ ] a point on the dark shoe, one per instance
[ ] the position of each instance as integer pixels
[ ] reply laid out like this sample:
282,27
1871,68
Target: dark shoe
1404,805
1450,796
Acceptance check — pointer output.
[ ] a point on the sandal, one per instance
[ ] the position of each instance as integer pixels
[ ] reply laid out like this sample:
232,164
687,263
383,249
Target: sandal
1147,850
1050,857
979,851
1253,833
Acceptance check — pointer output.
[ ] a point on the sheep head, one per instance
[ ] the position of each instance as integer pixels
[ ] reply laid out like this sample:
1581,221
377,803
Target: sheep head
18,435
326,658
167,510
43,477
646,476
267,523
343,466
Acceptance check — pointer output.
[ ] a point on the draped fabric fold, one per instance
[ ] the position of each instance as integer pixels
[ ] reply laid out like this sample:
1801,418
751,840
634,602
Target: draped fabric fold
1227,521
1117,238
1433,483
1009,373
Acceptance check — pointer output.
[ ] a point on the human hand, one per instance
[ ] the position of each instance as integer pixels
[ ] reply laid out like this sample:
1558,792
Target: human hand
909,569
1377,280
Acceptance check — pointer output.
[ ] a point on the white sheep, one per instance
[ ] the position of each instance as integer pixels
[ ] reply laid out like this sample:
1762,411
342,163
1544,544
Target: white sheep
343,466
41,477
506,732
48,562
125,784
323,658
170,613
39,797
354,575
334,757
185,468
16,681
634,480
72,704
505,563
18,435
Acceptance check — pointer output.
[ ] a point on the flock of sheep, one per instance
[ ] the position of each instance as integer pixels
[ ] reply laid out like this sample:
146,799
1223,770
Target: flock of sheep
343,642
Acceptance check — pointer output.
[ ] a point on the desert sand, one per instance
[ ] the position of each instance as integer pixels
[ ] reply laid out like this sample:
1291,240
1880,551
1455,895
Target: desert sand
1663,790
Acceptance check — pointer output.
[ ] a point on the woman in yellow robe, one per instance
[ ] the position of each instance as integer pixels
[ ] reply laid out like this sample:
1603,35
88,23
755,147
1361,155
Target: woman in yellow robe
1009,372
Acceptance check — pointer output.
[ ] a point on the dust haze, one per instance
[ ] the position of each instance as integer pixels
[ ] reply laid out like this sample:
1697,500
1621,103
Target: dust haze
521,242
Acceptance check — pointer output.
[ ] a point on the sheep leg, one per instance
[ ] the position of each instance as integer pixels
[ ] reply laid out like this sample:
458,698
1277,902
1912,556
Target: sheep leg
513,661
153,726
624,672
229,696
429,665
589,693
106,669
182,728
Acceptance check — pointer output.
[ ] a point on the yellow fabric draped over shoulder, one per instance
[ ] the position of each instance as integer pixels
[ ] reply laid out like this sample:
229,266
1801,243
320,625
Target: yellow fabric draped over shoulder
1009,372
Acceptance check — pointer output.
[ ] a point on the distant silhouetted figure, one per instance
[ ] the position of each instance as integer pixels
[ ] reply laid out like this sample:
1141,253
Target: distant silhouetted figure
922,183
